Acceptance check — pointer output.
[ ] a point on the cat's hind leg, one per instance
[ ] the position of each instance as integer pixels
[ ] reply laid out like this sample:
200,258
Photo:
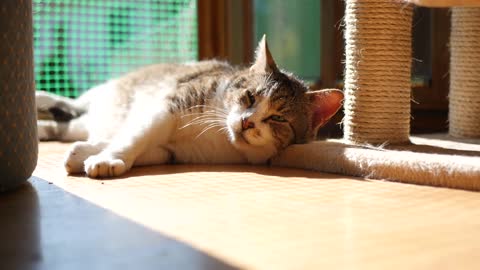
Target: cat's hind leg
58,108
74,130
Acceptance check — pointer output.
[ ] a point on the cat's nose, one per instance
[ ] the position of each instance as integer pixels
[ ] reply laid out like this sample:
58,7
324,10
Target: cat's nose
246,124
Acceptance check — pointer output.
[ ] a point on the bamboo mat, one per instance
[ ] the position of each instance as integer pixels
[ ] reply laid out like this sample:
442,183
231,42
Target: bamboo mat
271,218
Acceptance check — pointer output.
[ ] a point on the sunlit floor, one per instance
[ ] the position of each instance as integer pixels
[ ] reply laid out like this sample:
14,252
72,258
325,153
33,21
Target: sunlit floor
235,217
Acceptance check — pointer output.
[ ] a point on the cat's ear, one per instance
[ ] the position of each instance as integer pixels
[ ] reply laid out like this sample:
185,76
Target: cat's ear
264,62
324,104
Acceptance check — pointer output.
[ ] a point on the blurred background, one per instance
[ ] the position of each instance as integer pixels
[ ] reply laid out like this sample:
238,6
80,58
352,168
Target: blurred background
81,43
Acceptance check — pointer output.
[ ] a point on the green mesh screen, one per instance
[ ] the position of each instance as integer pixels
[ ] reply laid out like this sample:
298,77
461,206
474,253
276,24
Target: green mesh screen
80,43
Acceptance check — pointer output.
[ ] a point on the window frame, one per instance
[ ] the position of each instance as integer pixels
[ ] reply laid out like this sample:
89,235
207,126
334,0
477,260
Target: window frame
226,33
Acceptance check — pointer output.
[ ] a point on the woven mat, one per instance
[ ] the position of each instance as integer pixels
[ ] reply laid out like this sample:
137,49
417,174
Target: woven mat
271,218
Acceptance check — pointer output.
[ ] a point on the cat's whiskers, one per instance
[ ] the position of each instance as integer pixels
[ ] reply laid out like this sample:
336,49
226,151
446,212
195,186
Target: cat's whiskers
205,119
224,130
208,122
209,127
212,109
210,119
208,115
201,113
213,117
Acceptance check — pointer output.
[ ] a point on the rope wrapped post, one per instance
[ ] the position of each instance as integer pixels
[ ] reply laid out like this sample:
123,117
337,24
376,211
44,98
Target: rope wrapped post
377,71
18,124
464,111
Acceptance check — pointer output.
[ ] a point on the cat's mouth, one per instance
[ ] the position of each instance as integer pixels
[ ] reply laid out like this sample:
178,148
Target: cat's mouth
237,136
244,139
239,139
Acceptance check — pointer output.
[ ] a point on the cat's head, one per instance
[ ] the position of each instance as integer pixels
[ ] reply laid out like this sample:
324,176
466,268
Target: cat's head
270,109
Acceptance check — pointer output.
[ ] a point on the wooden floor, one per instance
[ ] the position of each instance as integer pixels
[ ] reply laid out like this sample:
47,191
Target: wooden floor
233,217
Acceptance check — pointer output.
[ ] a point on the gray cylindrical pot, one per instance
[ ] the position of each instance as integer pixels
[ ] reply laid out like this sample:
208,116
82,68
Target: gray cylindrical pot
18,126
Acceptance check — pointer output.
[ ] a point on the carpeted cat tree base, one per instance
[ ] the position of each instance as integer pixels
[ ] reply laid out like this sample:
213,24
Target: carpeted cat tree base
377,102
417,163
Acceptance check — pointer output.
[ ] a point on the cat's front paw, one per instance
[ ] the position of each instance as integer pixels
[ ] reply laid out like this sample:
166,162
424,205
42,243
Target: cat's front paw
79,152
103,165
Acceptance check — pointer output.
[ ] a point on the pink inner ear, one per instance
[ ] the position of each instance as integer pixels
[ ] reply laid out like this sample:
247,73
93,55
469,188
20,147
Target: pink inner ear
325,104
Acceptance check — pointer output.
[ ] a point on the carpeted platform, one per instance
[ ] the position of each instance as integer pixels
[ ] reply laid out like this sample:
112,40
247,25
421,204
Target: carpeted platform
276,218
433,160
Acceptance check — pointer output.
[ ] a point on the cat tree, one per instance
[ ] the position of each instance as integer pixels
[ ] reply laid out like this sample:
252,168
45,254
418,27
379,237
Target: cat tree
464,117
377,77
377,99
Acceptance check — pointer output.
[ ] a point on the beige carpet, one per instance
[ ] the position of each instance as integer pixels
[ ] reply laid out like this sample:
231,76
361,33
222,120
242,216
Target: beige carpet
434,160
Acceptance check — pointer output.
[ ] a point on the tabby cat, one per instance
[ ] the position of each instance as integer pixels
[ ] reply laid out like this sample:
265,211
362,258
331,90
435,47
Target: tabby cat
206,112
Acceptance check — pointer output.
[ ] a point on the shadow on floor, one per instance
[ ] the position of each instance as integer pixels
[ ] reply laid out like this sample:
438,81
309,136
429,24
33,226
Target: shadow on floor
172,169
44,227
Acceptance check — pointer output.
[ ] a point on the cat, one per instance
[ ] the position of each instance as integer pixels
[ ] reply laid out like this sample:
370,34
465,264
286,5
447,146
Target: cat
205,112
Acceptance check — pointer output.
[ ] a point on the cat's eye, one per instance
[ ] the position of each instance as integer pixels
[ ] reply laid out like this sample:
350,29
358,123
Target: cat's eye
278,118
251,99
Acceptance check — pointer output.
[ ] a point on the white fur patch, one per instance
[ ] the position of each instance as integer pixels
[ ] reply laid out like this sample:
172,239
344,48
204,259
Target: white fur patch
79,152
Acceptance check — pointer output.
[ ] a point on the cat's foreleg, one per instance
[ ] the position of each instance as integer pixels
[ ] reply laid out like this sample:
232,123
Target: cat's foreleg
153,156
135,139
81,151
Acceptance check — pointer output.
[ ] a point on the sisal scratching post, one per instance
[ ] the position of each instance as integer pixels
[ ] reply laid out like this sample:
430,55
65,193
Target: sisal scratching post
377,71
464,111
